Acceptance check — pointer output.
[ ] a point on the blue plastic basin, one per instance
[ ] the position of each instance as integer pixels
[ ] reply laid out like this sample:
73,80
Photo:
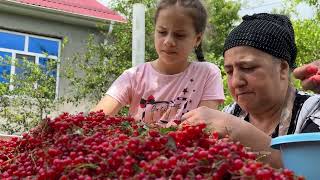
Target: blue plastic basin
300,153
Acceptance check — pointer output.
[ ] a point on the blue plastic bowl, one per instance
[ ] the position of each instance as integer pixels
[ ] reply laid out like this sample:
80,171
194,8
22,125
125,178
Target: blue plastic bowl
300,153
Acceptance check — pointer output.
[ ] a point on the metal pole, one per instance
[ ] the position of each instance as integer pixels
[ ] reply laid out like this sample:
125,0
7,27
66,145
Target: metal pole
138,34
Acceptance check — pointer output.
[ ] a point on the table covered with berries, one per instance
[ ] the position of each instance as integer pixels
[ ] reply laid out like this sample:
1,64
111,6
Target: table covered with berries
96,146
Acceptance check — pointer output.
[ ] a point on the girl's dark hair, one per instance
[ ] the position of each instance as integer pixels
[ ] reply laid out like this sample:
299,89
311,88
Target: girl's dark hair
199,53
196,11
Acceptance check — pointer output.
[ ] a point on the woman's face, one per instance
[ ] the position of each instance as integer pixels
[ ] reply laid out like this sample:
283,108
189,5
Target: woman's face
175,36
257,81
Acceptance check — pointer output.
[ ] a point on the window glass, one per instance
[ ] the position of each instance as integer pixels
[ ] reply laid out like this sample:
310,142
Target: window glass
41,46
13,45
5,67
21,71
48,66
12,41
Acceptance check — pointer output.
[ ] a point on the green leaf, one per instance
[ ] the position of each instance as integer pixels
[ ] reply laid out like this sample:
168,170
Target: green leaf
167,130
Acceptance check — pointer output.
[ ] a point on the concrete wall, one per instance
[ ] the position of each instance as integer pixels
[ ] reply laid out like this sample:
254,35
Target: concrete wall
77,35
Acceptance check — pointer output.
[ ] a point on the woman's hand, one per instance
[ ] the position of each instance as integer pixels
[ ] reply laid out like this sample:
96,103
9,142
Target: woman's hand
309,75
215,120
237,129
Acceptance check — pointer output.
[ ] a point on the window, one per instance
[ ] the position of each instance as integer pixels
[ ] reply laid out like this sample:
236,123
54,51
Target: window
19,70
4,66
43,51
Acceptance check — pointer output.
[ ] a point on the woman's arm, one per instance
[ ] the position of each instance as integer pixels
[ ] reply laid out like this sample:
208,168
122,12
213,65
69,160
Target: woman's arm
109,105
257,140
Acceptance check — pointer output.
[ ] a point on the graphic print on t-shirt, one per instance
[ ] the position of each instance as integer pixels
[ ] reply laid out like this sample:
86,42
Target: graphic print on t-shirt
167,110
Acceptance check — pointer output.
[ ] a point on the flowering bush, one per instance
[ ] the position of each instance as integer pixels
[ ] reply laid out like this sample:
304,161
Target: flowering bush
101,147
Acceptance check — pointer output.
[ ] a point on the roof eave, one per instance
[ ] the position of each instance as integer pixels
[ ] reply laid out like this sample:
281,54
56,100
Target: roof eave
51,14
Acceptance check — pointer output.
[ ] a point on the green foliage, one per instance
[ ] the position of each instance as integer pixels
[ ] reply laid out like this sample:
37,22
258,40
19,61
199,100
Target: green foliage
91,73
122,33
167,130
222,16
308,40
29,96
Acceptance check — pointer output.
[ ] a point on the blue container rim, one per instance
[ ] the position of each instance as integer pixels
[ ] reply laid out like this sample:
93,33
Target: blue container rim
294,138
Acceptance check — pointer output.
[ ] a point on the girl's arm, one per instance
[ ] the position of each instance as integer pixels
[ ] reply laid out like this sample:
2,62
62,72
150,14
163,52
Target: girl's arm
109,105
116,96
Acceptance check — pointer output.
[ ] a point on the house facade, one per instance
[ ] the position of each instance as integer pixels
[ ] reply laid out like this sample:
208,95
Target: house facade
36,30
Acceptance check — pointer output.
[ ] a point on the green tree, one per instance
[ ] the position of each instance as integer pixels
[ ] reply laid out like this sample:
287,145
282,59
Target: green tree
31,98
308,40
222,18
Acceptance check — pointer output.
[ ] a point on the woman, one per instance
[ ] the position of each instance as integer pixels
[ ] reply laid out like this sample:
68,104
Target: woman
259,56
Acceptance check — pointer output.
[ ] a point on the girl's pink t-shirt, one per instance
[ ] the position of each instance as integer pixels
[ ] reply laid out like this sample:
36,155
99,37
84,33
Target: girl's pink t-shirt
158,98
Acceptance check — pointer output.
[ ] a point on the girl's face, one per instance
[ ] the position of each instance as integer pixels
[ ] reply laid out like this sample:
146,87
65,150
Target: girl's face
256,80
175,36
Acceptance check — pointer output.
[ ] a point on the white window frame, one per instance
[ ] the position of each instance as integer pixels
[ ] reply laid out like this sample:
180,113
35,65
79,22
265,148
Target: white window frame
37,55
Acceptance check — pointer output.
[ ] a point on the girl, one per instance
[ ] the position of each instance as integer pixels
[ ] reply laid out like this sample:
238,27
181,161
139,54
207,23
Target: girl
163,90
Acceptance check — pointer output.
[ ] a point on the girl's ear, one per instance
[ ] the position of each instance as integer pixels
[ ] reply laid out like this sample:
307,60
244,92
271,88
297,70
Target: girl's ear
198,39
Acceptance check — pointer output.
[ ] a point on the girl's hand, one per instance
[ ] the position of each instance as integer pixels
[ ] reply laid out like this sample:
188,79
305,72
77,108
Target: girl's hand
309,75
109,105
215,120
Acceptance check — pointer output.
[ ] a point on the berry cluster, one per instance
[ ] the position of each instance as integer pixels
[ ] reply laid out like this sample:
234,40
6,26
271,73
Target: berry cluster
101,147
